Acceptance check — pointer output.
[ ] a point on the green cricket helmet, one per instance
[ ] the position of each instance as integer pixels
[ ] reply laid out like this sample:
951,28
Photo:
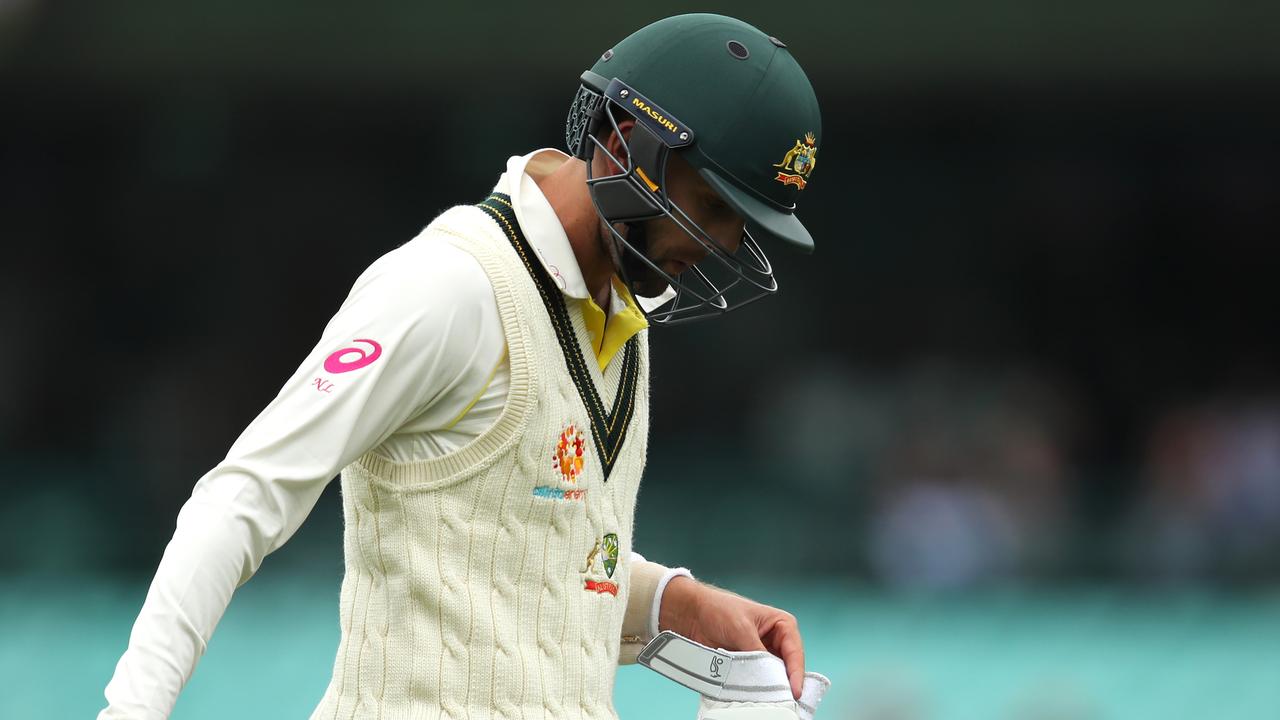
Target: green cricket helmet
737,106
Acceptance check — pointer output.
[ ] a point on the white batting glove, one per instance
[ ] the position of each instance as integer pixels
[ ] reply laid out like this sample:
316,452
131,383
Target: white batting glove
733,685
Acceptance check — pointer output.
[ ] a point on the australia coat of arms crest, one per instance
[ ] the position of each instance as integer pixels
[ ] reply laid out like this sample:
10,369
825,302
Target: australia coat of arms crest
798,162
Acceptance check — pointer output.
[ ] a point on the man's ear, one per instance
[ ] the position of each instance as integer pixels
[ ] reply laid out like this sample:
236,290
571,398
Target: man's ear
614,143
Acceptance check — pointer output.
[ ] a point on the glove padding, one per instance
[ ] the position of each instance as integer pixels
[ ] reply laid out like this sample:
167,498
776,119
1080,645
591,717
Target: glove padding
734,685
815,686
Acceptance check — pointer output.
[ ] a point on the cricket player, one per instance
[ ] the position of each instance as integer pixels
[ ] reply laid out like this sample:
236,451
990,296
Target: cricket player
483,391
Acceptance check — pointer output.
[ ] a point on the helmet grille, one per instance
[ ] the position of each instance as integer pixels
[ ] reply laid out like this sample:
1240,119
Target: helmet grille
584,112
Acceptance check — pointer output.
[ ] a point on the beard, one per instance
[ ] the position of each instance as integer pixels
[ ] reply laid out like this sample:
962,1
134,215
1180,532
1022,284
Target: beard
642,279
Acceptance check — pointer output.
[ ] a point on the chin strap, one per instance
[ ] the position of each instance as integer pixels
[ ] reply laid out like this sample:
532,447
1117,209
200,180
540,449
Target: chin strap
733,684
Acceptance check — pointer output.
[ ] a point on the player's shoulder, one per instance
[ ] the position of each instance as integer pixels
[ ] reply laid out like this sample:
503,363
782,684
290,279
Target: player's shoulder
427,270
459,225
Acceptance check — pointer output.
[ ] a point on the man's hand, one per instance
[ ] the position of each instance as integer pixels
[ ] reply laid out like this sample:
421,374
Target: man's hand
720,619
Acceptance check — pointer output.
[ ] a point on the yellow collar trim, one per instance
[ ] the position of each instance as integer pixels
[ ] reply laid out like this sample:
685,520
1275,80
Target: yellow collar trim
608,335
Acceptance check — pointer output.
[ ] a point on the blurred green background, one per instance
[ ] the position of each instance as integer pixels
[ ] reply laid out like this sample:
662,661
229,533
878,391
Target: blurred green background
1008,444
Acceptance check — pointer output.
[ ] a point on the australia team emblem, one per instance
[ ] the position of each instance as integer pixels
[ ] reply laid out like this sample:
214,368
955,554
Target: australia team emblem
601,563
798,162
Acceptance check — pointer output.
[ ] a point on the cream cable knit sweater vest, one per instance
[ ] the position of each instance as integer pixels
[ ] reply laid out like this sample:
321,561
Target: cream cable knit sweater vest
492,582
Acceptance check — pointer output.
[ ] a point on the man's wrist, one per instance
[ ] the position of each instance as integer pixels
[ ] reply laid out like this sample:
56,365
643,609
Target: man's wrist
676,603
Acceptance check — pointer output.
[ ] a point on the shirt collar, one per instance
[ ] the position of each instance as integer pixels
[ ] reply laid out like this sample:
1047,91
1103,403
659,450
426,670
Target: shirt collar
544,232
541,227
538,220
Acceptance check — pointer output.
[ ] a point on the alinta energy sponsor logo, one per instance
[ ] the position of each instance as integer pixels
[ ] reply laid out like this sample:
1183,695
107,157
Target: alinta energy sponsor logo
555,493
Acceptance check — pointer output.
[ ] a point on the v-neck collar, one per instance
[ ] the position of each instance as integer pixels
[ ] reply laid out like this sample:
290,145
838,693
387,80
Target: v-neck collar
613,324
608,429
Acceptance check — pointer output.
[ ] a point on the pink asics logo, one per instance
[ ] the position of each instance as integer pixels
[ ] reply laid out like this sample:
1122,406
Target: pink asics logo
338,362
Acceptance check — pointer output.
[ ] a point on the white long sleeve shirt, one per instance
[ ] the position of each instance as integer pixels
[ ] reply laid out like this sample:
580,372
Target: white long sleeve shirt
423,325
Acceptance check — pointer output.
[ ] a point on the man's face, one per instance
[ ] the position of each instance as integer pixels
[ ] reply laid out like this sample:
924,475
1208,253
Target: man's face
669,246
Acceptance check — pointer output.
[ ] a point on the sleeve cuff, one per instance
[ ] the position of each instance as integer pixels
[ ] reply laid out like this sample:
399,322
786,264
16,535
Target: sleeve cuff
656,610
648,580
